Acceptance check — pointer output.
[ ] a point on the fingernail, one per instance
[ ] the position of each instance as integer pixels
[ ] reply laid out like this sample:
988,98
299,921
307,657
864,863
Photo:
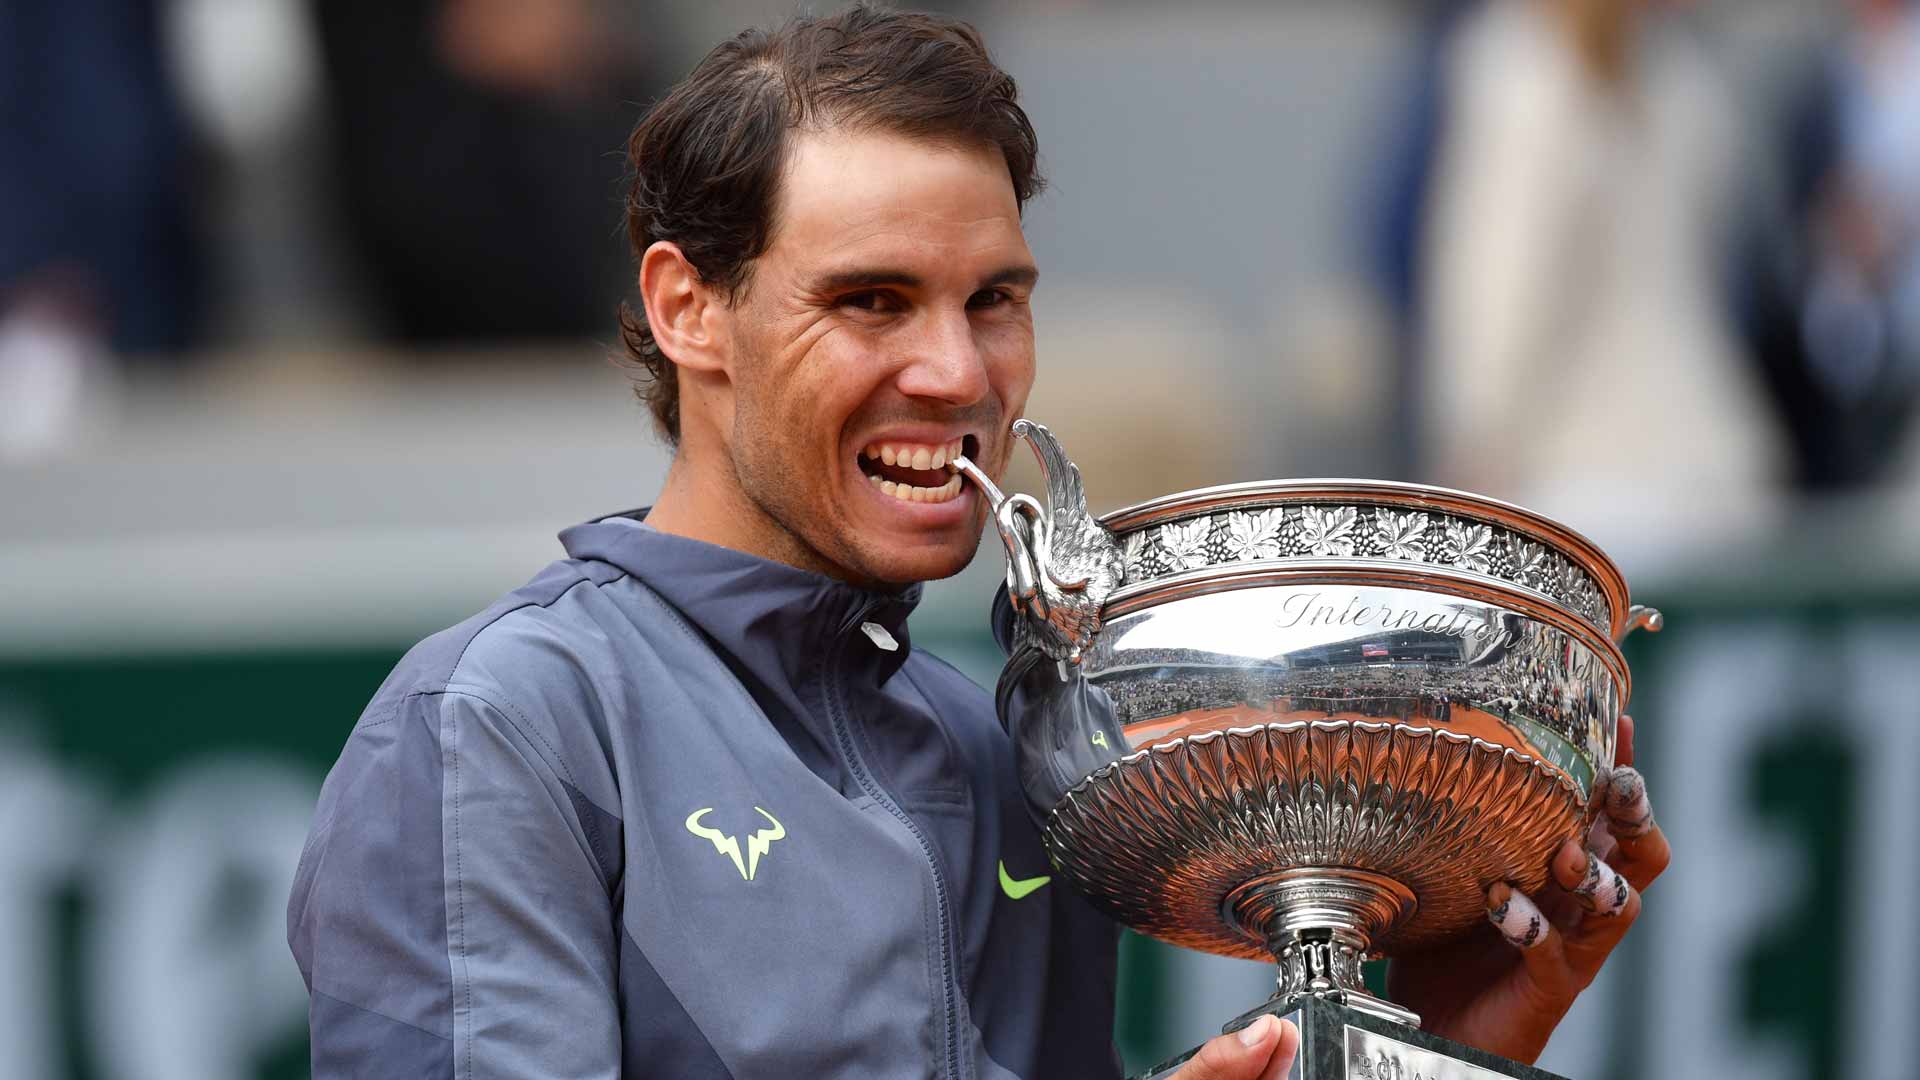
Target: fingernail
1590,879
1572,861
1256,1033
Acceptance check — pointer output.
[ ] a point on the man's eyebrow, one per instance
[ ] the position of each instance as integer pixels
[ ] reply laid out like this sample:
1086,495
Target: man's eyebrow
877,277
1013,275
866,278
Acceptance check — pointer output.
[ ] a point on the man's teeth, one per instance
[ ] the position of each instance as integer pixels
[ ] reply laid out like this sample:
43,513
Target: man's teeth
920,457
912,493
914,455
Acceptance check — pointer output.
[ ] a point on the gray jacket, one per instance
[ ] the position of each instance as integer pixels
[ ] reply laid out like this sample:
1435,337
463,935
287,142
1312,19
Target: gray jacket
671,810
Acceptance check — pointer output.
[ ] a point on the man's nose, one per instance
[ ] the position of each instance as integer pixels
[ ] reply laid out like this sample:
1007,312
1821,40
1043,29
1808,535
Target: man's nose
944,361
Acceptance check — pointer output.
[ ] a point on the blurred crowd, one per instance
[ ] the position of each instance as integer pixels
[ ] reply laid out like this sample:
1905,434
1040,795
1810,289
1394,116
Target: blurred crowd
1607,264
1602,257
179,175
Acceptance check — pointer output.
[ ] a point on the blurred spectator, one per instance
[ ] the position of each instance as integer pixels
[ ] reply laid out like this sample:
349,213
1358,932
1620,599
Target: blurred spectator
97,248
1396,210
1832,297
1576,340
477,146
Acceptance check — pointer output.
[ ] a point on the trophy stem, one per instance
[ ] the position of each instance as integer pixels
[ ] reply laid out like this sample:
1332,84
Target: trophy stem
1320,922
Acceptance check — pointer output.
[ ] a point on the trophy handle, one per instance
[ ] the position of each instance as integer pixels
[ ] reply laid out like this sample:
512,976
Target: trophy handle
1062,564
1640,617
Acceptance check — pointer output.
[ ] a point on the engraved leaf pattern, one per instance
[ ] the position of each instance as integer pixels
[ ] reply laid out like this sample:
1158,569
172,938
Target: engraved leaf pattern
1467,545
1400,533
1328,530
1255,535
1349,531
1529,562
1567,582
1591,604
1134,552
1186,542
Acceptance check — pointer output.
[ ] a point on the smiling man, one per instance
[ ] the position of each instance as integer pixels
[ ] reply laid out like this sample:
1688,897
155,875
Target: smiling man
689,804
885,329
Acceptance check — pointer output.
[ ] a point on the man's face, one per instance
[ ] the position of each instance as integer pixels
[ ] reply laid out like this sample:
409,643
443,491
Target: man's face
886,327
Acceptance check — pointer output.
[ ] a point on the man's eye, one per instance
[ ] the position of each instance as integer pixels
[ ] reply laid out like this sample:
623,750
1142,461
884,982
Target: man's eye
868,301
986,298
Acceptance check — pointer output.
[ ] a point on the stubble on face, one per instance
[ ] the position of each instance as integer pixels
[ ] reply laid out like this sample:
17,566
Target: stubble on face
891,304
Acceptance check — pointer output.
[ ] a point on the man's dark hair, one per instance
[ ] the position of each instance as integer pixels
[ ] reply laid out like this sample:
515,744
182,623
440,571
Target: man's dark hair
707,158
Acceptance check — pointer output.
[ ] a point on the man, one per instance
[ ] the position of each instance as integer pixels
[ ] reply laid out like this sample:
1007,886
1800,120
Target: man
689,804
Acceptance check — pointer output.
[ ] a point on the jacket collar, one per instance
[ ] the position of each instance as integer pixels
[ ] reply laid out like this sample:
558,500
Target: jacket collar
772,619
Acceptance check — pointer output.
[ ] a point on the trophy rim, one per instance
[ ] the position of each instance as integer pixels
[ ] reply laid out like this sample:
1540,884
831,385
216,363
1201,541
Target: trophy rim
1570,542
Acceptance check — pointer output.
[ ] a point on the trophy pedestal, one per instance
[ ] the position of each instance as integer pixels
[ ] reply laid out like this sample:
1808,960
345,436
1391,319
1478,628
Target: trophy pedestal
1343,1043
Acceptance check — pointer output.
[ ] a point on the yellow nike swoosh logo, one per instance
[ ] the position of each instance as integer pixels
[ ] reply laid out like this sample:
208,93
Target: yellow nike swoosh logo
1020,890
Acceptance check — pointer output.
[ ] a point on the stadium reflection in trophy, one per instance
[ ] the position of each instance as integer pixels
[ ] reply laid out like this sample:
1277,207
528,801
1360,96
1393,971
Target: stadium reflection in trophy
1309,720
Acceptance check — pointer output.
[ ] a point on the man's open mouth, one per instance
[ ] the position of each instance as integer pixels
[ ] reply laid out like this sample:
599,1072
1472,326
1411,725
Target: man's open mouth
916,472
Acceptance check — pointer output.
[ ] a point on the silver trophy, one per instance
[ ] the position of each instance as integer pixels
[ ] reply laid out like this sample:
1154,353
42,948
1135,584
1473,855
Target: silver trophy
1308,720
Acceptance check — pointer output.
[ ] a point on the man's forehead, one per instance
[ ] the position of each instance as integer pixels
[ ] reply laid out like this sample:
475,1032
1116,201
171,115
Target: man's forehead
850,198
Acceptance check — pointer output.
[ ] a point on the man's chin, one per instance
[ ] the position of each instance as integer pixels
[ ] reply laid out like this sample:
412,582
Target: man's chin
932,563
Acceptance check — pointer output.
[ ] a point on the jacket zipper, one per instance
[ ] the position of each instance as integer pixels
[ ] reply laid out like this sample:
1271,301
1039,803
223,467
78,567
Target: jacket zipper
843,733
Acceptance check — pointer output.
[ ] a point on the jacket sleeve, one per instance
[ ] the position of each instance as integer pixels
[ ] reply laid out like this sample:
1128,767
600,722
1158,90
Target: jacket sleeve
448,914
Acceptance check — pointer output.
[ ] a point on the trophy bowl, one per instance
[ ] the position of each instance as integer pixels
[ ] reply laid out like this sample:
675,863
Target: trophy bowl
1306,720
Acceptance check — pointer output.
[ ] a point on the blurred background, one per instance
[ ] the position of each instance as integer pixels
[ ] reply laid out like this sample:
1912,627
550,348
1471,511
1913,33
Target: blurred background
306,350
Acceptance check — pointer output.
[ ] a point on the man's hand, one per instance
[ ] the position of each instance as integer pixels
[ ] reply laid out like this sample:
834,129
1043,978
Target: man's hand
1507,998
1263,1050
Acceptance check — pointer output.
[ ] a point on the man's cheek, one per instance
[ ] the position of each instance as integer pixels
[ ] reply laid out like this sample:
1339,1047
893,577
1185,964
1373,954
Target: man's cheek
1012,385
1010,364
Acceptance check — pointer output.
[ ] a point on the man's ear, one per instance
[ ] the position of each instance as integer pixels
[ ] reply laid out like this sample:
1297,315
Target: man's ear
686,315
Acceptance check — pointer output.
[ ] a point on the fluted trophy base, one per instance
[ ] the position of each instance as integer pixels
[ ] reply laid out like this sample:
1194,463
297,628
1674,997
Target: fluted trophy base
1343,1042
1318,922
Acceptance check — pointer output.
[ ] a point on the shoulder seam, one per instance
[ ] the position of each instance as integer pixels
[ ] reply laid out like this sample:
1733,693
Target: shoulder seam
578,581
451,679
440,684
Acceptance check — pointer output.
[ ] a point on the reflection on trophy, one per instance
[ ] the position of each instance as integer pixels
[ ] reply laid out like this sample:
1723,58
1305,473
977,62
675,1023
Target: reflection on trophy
1308,720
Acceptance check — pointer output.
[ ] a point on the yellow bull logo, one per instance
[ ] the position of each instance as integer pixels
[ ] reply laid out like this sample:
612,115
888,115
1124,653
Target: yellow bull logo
757,844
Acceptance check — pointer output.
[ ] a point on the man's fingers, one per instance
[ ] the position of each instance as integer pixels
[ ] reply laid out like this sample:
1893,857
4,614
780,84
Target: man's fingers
1599,893
1542,950
1596,902
1643,852
1608,902
1597,887
1263,1050
1623,751
1280,1059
